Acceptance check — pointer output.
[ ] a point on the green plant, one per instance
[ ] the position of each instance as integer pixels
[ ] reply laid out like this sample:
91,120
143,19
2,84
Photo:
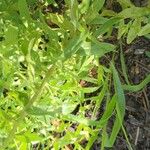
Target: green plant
44,56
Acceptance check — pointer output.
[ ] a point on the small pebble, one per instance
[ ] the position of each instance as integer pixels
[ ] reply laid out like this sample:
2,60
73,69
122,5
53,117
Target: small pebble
139,51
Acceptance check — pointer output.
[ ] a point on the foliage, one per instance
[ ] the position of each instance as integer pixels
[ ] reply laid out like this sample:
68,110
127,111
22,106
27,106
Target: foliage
44,58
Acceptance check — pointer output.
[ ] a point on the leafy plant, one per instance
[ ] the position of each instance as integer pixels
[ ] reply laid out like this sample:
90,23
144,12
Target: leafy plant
44,58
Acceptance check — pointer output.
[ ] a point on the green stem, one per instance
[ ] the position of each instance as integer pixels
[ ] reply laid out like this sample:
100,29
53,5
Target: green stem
23,113
126,137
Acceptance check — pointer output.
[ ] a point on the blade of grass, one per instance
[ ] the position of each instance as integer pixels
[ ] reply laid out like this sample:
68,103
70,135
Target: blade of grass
120,108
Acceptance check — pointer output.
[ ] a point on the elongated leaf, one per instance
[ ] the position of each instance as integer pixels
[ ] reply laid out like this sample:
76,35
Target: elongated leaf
37,111
65,140
120,106
109,111
91,141
100,97
135,88
74,14
88,79
94,9
61,21
114,133
11,35
144,30
106,26
68,107
134,12
123,28
73,45
120,93
97,5
24,11
133,31
46,28
98,20
147,36
24,146
125,3
147,54
108,13
84,6
104,138
81,120
29,137
96,48
101,48
89,89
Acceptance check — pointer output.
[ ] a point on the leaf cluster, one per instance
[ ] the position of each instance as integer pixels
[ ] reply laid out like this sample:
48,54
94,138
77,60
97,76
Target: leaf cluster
44,57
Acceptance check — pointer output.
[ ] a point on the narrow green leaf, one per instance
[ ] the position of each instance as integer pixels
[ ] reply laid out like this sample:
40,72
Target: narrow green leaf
135,88
98,20
73,45
11,35
134,12
106,26
81,120
99,49
144,30
38,111
109,110
43,25
84,6
120,106
68,107
95,7
88,79
24,146
133,31
89,89
23,97
120,93
147,54
92,139
63,22
123,28
29,137
74,14
114,132
108,13
125,3
24,11
147,36
104,138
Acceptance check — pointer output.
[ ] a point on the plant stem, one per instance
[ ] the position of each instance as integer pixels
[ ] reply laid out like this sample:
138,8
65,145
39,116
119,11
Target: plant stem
123,66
